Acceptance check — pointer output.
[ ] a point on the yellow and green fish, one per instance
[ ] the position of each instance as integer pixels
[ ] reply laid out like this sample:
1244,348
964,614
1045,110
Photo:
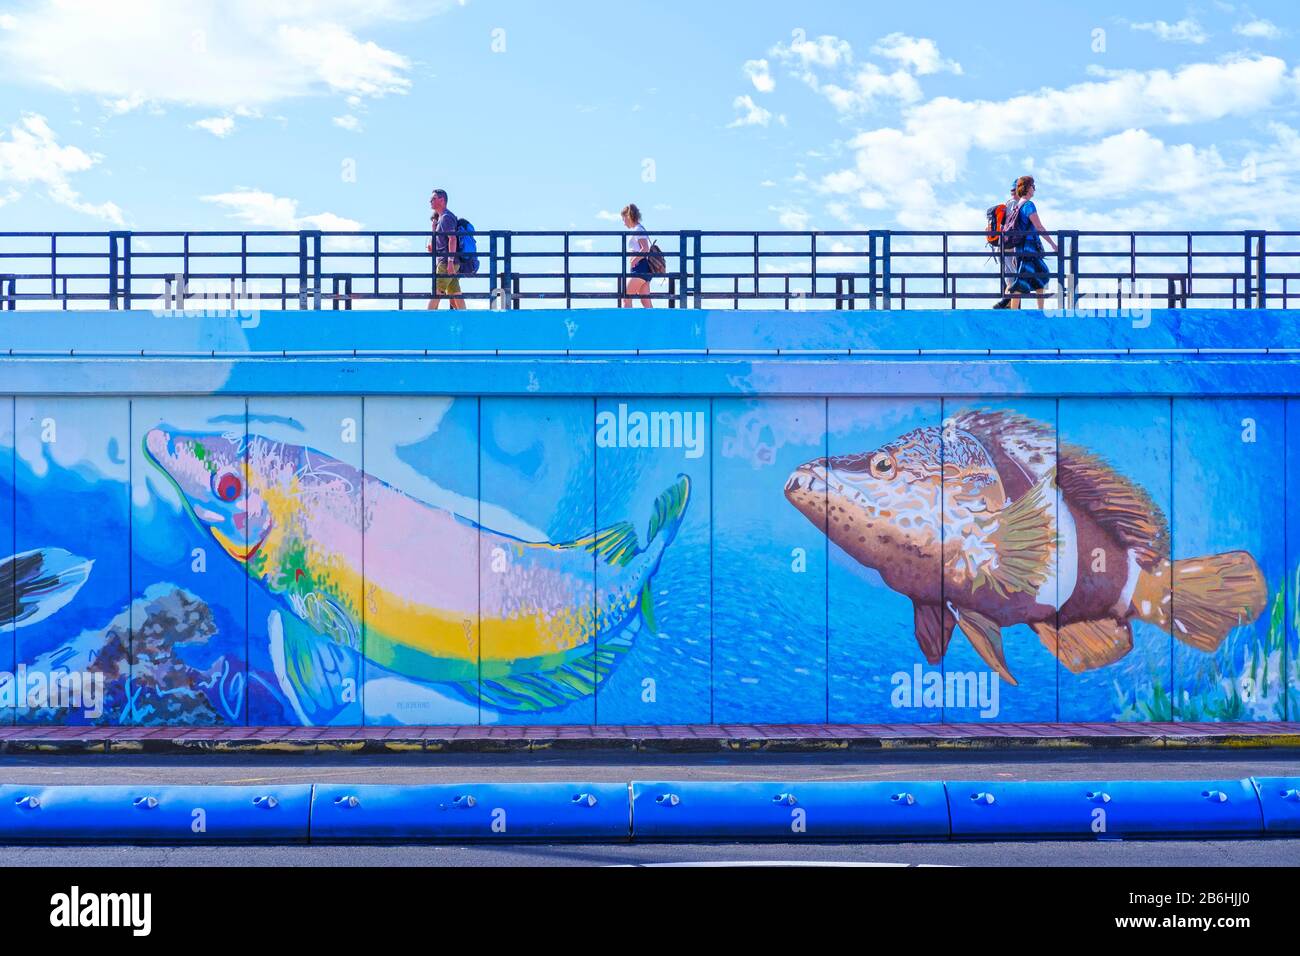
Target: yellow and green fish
295,517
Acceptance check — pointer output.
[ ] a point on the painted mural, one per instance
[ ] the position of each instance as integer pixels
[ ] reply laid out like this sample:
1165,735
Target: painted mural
340,561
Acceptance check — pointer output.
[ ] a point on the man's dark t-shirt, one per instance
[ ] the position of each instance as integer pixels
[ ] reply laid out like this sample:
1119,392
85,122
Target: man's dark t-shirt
444,227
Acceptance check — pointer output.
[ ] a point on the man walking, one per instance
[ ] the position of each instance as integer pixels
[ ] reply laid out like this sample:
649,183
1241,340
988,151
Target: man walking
445,246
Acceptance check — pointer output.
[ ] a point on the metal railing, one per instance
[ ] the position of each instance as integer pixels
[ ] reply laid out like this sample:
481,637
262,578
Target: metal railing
879,269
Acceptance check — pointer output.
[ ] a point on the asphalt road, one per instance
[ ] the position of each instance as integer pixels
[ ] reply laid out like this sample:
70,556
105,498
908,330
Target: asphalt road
597,766
616,766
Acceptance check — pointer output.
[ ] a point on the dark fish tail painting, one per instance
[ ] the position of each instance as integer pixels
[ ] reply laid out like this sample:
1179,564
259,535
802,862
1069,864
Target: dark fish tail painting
986,522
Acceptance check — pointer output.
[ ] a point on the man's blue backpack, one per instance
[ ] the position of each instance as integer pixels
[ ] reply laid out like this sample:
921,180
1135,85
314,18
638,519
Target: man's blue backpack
466,248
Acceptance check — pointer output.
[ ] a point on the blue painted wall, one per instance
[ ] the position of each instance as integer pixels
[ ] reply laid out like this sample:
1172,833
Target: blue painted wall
712,534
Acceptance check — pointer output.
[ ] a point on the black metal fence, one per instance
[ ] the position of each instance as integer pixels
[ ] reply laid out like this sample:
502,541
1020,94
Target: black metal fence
880,269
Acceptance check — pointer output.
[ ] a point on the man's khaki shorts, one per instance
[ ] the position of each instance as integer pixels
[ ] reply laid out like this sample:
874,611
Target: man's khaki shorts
448,286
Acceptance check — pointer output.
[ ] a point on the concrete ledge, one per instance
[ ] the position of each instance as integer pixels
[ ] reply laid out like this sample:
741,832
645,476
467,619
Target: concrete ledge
712,738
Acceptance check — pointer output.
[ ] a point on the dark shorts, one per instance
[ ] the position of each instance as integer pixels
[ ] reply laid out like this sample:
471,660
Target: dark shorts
641,270
1033,275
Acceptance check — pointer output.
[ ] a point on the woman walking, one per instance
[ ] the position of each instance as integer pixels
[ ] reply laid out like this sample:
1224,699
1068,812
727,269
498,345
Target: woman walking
1027,234
638,249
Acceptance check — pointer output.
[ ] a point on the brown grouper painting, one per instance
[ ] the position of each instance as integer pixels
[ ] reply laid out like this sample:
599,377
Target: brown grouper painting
988,521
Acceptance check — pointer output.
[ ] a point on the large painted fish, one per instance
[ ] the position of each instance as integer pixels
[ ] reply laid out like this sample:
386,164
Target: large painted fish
1024,533
36,584
295,518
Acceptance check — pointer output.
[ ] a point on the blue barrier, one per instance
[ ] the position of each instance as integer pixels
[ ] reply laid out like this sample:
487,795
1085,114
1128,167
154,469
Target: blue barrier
145,814
982,810
651,811
678,810
591,812
1279,801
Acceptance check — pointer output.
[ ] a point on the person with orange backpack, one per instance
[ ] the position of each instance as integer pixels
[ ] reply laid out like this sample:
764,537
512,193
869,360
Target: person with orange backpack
1026,232
997,217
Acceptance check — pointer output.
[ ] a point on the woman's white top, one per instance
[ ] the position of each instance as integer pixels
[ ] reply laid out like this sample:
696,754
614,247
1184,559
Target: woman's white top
638,235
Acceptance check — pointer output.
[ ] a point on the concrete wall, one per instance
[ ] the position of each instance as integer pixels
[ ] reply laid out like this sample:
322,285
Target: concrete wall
752,525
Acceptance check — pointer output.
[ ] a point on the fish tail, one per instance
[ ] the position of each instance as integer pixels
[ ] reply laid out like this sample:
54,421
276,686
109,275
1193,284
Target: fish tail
1210,596
35,584
669,509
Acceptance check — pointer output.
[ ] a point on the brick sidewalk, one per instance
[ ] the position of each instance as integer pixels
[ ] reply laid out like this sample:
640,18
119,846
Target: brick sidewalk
661,739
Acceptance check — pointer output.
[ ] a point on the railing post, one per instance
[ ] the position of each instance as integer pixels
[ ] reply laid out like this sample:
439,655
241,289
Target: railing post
699,271
126,269
681,270
885,268
507,279
316,277
1060,270
112,270
494,298
1261,270
812,275
871,265
1073,300
302,270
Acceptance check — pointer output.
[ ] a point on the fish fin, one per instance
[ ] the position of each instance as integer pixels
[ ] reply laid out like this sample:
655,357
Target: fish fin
557,687
1022,449
1087,645
985,635
35,584
324,616
1024,538
648,609
617,544
1114,502
310,671
934,626
669,509
1213,595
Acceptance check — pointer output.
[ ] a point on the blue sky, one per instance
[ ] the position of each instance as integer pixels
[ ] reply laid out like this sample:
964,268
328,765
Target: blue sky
715,115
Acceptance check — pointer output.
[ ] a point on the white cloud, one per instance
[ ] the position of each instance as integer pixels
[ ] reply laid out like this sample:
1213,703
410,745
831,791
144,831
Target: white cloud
262,210
1258,29
870,85
793,218
760,75
606,216
934,144
827,66
1133,162
1184,31
32,156
218,126
348,122
751,114
826,52
919,54
8,21
208,53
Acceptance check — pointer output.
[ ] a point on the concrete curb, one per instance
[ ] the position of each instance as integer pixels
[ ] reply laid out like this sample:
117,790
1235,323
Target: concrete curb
261,744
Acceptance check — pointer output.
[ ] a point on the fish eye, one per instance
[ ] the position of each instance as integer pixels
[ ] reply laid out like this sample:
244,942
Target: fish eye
882,465
227,486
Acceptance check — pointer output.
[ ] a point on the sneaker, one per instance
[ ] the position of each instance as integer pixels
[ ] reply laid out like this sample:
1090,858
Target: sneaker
1003,304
